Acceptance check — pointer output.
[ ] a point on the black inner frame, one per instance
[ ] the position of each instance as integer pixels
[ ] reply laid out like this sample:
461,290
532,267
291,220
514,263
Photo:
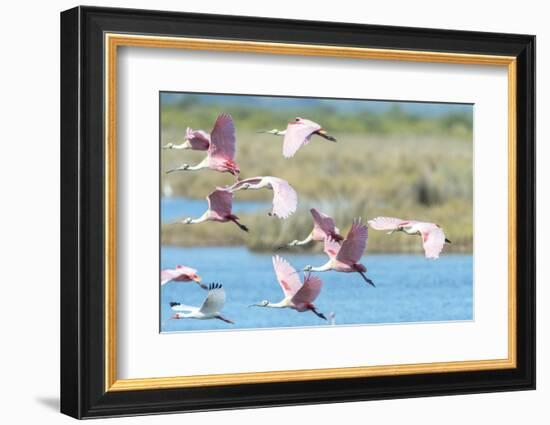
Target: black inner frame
82,212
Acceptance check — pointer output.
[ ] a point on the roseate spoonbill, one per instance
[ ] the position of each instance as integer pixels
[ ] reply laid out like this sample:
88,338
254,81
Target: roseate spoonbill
221,152
297,296
180,274
323,226
210,308
298,134
433,237
197,140
219,209
285,198
345,258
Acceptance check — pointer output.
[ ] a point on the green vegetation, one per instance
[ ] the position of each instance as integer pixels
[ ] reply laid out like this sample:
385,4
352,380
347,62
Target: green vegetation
393,163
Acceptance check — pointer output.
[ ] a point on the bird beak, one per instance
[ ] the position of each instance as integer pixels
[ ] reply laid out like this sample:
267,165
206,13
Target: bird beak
253,305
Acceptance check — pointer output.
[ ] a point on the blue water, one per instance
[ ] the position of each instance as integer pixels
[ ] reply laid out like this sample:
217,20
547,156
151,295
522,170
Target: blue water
176,208
409,288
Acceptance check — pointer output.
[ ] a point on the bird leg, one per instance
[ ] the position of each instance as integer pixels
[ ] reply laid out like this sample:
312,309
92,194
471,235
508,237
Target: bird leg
370,282
318,313
202,285
235,220
325,135
225,319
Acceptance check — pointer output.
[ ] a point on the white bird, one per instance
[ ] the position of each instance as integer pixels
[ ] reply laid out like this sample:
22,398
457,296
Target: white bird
210,308
285,198
433,237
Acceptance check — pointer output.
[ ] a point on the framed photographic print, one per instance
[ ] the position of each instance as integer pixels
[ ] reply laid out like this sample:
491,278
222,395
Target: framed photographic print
261,212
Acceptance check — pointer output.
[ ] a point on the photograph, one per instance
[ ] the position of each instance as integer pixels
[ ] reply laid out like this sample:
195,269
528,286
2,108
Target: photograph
281,212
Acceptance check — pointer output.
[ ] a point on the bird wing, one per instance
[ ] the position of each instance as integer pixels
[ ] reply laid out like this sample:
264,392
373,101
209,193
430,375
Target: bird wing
323,222
238,185
167,275
433,239
309,291
387,223
355,243
285,198
182,307
214,301
220,202
222,138
297,134
199,139
287,276
331,247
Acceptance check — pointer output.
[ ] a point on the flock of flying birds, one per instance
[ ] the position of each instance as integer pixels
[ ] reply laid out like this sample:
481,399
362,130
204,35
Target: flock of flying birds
344,253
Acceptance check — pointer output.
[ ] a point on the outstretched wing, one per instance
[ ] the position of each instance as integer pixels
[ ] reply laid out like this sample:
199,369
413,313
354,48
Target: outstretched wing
298,134
214,301
285,198
433,239
182,307
238,185
222,138
167,275
287,276
331,247
387,223
309,291
199,139
355,243
220,202
323,222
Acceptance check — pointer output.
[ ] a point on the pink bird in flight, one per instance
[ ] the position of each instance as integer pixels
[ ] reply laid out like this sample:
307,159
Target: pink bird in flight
180,274
433,237
298,133
197,140
323,226
221,152
220,204
297,296
345,258
285,198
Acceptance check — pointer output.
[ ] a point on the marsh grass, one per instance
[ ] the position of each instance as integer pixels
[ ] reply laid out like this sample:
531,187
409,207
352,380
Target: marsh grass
408,174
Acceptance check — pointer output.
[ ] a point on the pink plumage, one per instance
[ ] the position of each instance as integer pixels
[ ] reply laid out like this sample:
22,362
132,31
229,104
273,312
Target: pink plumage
285,198
297,134
286,276
199,140
221,152
310,290
355,243
179,274
220,203
298,296
323,226
433,237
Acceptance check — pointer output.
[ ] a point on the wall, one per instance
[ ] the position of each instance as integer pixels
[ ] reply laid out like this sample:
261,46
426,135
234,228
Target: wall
29,171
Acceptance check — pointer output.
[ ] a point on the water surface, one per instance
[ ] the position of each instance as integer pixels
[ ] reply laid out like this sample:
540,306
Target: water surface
409,288
180,207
